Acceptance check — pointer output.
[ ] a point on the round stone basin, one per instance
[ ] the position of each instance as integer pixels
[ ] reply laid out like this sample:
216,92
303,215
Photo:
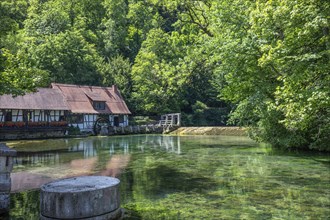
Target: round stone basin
80,197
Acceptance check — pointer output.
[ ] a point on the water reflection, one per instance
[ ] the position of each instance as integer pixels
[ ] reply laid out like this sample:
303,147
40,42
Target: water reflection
83,166
86,146
27,180
115,165
40,162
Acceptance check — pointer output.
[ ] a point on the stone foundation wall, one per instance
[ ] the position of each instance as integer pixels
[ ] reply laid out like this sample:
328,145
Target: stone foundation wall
31,134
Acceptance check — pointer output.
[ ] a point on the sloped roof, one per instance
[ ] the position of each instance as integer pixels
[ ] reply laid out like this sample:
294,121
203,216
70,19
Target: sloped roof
95,96
44,98
80,99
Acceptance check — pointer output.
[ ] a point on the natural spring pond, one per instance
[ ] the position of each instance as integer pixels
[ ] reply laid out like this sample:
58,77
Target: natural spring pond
188,177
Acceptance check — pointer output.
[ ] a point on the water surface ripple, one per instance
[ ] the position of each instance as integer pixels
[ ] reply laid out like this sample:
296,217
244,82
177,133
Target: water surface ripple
189,177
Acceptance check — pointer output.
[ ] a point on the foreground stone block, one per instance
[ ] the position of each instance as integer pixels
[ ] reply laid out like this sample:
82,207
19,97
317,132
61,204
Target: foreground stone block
87,197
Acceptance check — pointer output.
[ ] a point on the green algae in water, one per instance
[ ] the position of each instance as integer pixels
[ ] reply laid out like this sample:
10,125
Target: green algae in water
193,177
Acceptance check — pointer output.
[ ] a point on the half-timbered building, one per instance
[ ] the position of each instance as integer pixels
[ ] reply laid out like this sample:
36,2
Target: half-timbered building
93,106
50,111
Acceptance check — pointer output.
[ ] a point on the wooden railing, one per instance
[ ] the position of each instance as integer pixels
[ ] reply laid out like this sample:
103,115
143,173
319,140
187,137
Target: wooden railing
173,119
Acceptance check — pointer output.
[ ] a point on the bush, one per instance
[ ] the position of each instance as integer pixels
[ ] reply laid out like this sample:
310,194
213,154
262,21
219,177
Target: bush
73,130
205,116
142,120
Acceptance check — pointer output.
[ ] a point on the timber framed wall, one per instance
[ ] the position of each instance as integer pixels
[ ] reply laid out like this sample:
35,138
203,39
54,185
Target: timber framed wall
24,115
86,122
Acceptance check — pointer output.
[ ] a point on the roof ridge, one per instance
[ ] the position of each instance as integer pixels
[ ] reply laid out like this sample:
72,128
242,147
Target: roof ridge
80,86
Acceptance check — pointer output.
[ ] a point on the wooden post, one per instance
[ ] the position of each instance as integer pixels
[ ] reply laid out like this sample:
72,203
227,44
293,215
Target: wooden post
179,119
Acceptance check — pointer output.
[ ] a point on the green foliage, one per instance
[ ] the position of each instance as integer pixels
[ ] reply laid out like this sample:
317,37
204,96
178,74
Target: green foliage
118,72
275,60
142,17
69,58
269,59
202,115
47,18
174,69
17,76
73,130
142,120
12,16
155,79
115,27
23,203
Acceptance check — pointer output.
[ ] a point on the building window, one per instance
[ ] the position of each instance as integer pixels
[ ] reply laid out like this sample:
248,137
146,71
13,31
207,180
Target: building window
27,115
8,116
99,105
76,119
118,120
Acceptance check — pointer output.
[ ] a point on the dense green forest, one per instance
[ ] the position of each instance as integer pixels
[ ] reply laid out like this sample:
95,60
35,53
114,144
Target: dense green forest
267,61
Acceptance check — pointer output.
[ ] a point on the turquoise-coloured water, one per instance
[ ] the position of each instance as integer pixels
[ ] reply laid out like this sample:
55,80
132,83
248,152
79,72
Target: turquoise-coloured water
188,177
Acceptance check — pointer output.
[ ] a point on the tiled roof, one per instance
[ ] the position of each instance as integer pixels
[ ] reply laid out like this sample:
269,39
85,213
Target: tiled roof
95,96
44,98
80,99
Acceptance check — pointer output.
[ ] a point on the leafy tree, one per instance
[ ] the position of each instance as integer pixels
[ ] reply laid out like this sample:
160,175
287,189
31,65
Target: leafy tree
172,74
61,36
199,67
155,83
194,13
13,14
301,53
144,16
50,17
17,75
69,58
275,61
118,72
116,25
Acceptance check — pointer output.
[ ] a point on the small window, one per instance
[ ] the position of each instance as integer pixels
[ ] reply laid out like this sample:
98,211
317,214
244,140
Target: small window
76,119
99,105
27,115
8,116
